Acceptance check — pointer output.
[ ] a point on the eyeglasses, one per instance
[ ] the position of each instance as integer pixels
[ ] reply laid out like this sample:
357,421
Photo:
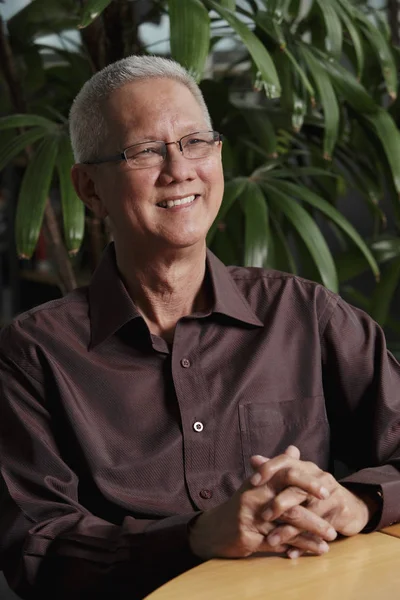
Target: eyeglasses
149,154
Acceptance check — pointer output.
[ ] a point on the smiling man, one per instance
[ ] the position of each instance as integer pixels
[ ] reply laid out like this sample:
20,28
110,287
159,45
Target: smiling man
175,409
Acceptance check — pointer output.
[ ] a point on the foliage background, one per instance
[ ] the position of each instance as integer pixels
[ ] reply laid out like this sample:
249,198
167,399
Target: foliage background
307,100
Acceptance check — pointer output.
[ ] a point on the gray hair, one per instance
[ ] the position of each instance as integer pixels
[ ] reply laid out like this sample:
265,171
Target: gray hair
88,127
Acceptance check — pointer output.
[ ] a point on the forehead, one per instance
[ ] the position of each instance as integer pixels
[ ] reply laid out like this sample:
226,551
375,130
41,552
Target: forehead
157,106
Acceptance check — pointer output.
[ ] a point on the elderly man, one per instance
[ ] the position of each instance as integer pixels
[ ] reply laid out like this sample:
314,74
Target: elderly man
175,409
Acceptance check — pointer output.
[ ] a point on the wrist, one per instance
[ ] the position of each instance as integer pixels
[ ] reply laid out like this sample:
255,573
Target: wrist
372,498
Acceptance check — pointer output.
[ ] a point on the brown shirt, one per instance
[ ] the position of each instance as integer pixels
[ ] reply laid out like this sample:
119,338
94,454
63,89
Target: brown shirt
111,440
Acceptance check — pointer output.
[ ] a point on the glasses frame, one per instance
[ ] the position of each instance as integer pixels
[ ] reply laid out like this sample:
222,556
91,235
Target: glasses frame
218,137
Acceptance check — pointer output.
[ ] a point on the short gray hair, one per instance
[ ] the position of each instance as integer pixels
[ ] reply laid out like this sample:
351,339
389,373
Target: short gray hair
88,127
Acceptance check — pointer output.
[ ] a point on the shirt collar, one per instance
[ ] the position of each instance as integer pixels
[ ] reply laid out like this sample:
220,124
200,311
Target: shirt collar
111,307
229,300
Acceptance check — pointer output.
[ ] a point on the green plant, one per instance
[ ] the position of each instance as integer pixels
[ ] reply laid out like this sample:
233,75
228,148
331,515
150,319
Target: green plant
319,126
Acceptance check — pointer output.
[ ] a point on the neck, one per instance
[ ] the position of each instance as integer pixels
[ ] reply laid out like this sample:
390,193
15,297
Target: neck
165,286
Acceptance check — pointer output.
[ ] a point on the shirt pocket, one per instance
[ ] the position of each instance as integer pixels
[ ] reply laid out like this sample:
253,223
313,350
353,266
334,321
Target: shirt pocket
268,429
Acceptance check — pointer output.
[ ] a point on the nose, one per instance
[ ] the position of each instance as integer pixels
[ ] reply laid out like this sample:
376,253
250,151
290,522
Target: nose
176,167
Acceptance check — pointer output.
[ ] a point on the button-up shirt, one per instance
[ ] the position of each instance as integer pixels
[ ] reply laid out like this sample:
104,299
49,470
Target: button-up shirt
112,439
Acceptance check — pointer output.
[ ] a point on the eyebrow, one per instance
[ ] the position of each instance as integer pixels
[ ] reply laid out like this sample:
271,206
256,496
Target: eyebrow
191,129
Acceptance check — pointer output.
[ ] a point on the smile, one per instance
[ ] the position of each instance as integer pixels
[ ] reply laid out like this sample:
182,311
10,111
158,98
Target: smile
179,202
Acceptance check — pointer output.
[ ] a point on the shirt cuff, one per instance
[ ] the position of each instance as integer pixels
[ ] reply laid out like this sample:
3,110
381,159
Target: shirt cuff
386,480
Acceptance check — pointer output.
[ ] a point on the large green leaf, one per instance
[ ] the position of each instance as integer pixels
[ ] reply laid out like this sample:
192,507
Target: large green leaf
190,34
352,263
384,292
42,17
280,257
261,127
33,195
231,4
354,35
266,21
329,211
232,191
13,147
258,52
389,135
91,10
383,52
257,233
26,120
334,38
328,100
72,207
347,85
308,231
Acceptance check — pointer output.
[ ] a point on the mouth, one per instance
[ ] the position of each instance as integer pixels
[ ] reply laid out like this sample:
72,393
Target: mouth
179,202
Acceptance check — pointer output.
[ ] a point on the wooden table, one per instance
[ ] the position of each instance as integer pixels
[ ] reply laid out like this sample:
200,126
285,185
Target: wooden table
393,530
363,567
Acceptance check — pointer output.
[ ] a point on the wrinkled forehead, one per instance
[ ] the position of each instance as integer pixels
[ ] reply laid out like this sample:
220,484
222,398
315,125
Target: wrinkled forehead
152,106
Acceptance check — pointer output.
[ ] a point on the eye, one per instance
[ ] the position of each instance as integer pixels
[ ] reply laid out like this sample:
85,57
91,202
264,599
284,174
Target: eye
194,141
146,151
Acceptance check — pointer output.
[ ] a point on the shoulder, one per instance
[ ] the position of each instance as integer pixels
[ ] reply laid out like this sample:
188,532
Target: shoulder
57,320
295,293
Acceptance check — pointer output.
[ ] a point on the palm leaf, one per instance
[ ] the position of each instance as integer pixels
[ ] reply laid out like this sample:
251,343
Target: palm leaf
22,120
91,10
334,215
258,52
354,35
190,34
309,232
257,234
33,195
13,147
232,191
384,291
329,102
72,207
333,26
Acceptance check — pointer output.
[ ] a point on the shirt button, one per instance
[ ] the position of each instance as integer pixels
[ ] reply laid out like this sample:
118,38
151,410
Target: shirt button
185,362
198,426
206,494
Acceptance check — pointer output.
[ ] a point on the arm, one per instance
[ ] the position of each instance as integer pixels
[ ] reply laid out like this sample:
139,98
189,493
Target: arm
362,390
52,546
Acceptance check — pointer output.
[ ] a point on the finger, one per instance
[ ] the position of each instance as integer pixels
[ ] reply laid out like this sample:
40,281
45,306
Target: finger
257,460
305,520
293,452
305,543
289,535
284,471
294,553
285,500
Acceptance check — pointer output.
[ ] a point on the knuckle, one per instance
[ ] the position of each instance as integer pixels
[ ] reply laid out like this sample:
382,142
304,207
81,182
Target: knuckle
329,479
292,473
245,498
294,513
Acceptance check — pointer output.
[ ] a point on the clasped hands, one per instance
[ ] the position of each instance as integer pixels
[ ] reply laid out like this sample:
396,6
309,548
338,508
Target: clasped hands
287,506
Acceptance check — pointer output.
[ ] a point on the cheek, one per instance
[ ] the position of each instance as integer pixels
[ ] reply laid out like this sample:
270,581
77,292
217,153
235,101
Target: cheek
212,174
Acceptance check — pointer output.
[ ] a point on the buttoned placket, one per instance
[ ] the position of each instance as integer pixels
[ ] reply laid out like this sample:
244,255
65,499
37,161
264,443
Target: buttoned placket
196,412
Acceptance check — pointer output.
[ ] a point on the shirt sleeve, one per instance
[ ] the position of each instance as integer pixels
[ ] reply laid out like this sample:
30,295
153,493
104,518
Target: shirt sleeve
362,390
50,545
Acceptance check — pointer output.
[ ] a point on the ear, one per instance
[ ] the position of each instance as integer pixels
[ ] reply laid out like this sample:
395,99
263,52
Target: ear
83,180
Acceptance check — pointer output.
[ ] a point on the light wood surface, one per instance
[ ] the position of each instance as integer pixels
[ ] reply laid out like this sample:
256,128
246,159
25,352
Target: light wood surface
363,567
393,530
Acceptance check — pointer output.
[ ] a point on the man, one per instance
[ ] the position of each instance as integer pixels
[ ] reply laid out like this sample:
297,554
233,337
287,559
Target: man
176,410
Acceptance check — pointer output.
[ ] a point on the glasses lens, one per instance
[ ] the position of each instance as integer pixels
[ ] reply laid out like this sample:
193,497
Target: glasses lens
196,145
147,154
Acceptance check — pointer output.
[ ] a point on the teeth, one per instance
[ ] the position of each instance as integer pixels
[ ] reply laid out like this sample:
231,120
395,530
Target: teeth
171,203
